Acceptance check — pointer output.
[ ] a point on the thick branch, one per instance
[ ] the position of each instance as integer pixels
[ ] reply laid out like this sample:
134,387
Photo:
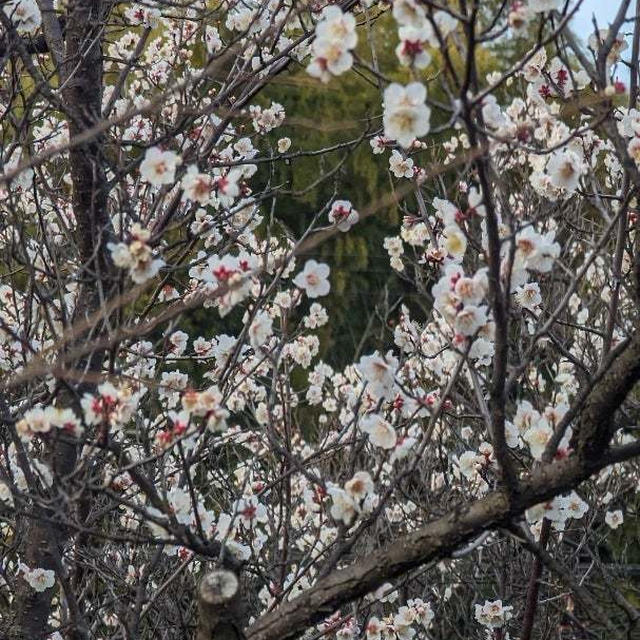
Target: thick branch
81,76
596,425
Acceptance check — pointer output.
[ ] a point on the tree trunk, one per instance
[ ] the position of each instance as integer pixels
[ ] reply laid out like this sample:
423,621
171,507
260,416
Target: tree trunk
80,75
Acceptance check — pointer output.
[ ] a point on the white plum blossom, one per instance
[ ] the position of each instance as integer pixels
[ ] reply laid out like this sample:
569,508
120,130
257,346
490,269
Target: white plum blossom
25,15
314,279
400,166
359,486
469,463
633,149
402,623
335,38
470,319
337,25
39,579
519,17
414,41
445,22
470,290
493,615
537,437
136,255
614,519
375,629
395,249
284,144
379,372
381,433
159,167
35,421
343,506
250,512
317,316
343,215
575,506
227,186
537,252
492,114
528,296
565,169
409,12
422,612
265,120
378,144
261,329
628,124
406,116
454,241
198,186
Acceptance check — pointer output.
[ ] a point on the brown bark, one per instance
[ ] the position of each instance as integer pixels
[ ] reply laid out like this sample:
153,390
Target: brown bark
533,588
596,424
81,76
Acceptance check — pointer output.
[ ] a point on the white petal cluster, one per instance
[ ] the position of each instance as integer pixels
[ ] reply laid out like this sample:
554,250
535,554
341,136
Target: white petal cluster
493,614
349,501
136,255
343,215
24,14
558,511
314,279
38,579
614,519
458,298
379,371
159,167
406,116
335,39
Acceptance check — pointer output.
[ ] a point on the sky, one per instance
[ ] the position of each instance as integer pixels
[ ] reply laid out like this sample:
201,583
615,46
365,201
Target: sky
604,10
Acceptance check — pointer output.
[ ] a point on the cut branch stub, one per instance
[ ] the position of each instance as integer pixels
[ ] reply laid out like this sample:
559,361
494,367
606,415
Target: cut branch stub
218,587
220,606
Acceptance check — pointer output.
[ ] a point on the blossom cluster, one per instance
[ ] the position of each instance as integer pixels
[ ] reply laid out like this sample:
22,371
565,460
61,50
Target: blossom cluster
136,255
335,38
